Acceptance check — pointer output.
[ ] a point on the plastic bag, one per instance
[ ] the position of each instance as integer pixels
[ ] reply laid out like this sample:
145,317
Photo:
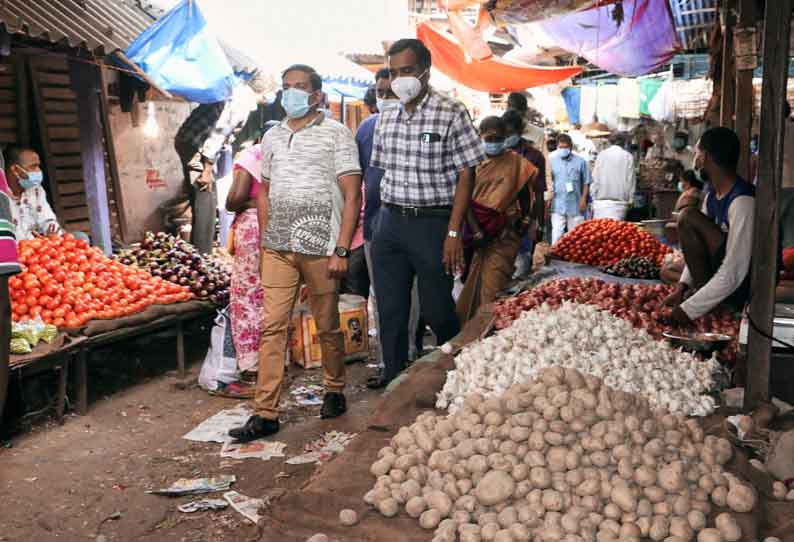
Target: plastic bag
20,346
220,364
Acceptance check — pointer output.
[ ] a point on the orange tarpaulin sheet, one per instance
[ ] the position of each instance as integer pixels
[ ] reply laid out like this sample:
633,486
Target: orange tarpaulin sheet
491,75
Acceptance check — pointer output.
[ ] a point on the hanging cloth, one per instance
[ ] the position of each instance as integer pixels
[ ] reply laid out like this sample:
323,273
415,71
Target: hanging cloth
629,98
492,75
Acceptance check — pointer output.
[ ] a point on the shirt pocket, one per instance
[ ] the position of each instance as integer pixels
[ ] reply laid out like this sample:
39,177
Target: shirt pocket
430,154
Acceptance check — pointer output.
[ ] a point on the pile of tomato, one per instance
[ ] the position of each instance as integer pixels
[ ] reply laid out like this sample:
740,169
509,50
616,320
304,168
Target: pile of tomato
67,283
604,241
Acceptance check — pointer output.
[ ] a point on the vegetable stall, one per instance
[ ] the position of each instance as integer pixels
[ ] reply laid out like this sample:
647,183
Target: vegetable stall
77,299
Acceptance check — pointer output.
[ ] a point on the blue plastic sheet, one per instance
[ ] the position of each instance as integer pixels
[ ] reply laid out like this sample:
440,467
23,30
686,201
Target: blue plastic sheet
346,86
181,55
573,98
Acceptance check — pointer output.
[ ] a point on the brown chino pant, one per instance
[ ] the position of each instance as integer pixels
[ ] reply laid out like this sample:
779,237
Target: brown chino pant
282,274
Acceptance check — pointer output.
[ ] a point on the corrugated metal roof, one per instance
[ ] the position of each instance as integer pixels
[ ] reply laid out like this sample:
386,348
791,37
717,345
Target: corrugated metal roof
101,26
694,20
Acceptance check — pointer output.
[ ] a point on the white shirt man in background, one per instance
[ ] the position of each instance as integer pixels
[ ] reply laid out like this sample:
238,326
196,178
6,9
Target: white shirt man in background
614,181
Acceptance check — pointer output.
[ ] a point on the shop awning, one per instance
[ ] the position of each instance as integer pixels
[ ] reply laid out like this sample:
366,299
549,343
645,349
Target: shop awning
181,55
491,75
644,40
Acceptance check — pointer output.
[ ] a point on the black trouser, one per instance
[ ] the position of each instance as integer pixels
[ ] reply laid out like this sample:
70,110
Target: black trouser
203,203
5,339
404,246
356,281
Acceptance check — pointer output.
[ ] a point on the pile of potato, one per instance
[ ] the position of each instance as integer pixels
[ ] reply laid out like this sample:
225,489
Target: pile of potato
560,457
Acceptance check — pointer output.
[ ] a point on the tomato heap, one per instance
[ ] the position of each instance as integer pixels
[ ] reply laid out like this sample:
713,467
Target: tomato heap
67,283
604,241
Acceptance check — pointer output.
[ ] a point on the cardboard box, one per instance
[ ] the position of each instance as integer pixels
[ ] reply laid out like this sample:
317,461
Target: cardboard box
305,342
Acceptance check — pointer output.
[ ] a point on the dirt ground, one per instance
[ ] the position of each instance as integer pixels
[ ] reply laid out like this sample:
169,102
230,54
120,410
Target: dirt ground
86,479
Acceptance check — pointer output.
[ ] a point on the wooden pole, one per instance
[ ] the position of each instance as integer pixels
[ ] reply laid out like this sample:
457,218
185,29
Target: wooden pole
728,83
765,234
744,93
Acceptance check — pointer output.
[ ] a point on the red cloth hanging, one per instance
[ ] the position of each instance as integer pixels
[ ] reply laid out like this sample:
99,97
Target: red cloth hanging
492,75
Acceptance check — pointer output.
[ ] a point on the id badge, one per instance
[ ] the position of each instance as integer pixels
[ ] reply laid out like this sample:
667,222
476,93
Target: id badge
569,187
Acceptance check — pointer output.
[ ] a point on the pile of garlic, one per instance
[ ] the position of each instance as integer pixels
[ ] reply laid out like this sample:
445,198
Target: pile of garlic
560,458
585,338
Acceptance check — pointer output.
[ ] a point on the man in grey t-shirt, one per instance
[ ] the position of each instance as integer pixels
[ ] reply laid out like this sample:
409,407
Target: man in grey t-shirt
308,207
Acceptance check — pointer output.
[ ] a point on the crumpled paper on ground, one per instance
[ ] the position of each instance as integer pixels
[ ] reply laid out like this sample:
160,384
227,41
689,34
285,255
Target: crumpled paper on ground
257,449
196,486
216,427
246,506
202,505
323,449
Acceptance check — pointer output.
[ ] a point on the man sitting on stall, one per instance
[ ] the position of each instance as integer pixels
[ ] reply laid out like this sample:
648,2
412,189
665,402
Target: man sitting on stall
30,211
717,239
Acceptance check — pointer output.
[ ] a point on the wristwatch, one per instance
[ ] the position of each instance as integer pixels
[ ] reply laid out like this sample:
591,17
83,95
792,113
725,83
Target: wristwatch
452,233
342,252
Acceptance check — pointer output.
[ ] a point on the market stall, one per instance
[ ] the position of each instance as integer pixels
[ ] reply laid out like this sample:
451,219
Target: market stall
70,299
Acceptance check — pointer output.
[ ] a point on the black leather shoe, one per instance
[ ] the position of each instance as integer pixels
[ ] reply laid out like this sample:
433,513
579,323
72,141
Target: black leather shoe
377,382
334,405
256,427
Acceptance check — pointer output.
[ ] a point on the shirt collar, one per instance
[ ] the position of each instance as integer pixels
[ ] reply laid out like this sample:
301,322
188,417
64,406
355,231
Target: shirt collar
316,121
420,106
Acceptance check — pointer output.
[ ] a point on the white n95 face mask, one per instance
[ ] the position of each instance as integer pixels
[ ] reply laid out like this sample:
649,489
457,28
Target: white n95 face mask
407,88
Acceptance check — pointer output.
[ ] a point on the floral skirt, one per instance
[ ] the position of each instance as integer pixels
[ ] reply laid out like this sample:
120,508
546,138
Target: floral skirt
245,303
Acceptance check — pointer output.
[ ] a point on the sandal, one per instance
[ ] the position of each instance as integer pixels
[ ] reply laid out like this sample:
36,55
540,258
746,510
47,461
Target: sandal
235,390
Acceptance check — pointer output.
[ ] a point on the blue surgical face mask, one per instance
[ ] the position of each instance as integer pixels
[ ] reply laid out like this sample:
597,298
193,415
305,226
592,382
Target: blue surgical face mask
295,102
680,186
512,141
385,104
564,153
34,179
493,148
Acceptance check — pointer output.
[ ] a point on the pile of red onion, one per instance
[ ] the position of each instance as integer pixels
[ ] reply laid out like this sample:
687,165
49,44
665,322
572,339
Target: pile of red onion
642,305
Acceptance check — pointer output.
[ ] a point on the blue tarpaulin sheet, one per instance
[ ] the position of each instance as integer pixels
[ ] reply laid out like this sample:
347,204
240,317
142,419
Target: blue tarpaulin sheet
573,98
347,87
181,55
645,39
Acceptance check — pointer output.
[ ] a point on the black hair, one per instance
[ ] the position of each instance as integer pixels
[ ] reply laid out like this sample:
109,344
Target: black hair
618,138
513,120
564,138
370,98
682,135
13,154
692,179
492,123
314,77
422,53
723,146
517,101
786,109
382,73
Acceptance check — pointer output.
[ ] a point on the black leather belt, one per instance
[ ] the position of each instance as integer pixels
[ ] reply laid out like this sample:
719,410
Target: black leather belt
420,211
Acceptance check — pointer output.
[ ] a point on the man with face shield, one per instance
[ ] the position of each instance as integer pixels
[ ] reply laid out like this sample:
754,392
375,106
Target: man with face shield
30,211
428,150
716,240
308,206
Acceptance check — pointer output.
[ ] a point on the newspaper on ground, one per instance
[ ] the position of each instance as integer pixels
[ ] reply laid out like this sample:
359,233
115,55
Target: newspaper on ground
202,505
257,449
323,449
197,486
309,395
216,428
247,506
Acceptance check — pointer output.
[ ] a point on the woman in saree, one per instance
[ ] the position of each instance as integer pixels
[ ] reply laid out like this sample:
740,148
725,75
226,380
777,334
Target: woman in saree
245,305
498,217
